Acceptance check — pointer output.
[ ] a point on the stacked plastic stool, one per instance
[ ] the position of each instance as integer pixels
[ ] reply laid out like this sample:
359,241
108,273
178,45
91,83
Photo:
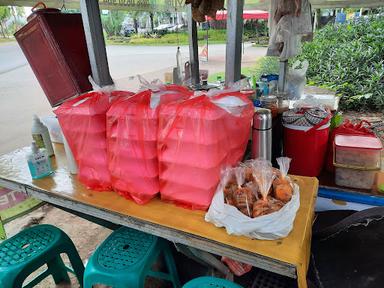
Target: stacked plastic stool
126,258
32,248
210,282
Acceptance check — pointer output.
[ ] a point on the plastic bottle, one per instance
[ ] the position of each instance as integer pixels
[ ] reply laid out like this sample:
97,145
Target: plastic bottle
40,135
72,166
39,163
179,65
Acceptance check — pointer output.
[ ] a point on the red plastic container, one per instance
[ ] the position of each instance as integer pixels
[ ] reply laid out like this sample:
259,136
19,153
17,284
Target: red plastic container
132,126
306,148
197,138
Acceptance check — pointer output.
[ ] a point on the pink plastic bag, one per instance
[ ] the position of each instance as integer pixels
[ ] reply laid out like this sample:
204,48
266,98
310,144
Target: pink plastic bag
197,138
83,121
236,267
132,125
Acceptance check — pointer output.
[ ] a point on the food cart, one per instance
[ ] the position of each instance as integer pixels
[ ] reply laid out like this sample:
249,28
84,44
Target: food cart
288,256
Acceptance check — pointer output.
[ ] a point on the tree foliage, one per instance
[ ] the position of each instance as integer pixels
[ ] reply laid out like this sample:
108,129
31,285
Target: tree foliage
349,59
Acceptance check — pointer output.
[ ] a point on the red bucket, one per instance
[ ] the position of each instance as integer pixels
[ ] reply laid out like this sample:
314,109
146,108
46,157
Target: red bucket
307,146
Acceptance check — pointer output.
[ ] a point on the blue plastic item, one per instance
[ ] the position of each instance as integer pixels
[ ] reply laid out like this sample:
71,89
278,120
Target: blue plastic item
272,77
210,282
355,197
341,18
32,248
126,258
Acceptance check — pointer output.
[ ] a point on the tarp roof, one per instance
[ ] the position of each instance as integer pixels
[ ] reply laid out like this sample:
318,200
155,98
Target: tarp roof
178,5
247,14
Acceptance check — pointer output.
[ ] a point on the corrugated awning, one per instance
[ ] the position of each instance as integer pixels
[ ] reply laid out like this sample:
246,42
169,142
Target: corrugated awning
178,5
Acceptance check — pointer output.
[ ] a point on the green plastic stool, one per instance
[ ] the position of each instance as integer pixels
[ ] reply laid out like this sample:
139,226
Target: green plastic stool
210,282
33,247
125,259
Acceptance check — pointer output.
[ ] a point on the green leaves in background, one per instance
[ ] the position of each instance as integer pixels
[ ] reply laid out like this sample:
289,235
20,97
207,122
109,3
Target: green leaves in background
349,59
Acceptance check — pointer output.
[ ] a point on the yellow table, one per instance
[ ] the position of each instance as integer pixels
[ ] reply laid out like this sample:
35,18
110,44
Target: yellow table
288,256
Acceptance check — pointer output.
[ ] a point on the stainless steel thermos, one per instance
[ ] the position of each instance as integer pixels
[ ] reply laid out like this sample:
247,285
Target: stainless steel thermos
262,134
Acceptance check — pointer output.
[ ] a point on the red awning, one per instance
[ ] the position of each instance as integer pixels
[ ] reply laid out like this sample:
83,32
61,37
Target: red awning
247,14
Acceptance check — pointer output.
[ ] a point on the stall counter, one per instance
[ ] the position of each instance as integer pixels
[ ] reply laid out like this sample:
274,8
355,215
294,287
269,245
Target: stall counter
288,256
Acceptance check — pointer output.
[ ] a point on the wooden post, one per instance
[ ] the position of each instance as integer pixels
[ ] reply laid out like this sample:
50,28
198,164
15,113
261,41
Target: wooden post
95,42
234,41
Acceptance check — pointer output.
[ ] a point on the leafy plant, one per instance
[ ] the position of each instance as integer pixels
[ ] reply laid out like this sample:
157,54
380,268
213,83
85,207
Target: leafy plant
112,22
5,13
349,59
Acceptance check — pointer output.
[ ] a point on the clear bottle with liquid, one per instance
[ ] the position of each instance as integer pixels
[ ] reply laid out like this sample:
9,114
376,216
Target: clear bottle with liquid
40,135
39,163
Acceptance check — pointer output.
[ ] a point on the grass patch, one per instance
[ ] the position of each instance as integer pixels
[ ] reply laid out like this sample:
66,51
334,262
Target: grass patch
214,37
263,65
5,40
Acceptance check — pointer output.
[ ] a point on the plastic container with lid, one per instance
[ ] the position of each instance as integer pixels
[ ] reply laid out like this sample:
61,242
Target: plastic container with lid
355,151
355,178
357,160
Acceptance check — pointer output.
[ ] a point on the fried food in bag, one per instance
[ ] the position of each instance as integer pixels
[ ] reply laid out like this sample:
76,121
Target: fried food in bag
282,184
256,188
245,202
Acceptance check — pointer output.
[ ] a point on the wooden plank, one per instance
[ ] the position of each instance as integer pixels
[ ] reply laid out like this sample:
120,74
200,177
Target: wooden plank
170,234
284,256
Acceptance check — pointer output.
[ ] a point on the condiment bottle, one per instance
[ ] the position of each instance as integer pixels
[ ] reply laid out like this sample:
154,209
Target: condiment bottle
39,163
269,102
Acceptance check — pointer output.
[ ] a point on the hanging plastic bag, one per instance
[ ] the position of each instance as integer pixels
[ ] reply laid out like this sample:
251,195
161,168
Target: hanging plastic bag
296,79
197,138
132,125
290,22
271,217
83,122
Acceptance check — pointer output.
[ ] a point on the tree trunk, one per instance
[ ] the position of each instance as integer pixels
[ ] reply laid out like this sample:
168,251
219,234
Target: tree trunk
136,24
317,19
151,18
14,18
3,30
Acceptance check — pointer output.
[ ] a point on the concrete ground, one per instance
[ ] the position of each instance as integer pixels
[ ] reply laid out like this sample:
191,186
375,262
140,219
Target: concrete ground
21,97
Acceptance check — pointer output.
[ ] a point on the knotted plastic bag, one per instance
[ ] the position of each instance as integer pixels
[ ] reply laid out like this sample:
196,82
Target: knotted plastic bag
132,125
83,121
197,138
271,218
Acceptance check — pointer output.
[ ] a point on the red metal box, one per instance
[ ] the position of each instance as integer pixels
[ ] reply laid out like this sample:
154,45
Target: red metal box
55,47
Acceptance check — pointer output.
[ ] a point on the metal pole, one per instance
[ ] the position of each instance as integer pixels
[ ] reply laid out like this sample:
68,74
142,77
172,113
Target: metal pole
90,13
193,48
234,40
208,42
282,76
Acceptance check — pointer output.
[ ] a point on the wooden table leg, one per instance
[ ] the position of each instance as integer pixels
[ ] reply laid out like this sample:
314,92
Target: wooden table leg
301,276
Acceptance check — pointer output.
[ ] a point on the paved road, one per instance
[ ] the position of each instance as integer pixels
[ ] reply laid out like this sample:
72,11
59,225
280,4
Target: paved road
21,95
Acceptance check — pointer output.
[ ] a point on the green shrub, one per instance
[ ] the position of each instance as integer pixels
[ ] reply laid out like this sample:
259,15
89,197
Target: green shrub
349,59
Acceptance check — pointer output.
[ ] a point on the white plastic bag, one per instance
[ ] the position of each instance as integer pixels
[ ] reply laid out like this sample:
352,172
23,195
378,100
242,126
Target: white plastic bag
296,79
267,227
